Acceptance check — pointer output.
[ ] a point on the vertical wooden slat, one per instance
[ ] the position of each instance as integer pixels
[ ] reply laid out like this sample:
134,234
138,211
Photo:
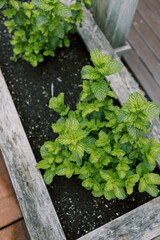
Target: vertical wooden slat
115,19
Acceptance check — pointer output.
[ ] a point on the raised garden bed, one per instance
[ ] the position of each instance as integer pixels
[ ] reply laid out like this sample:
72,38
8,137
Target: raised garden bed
67,195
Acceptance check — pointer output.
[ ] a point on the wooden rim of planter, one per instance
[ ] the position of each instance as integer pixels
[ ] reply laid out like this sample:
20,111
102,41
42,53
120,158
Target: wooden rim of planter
41,219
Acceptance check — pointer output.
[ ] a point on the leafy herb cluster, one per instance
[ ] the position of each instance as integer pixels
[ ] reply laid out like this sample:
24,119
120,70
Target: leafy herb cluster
40,26
102,143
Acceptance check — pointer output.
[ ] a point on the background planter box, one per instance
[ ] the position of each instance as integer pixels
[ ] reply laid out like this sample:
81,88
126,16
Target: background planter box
40,216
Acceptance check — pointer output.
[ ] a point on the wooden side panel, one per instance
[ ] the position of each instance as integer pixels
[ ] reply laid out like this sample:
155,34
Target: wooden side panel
143,223
30,189
16,231
115,19
9,208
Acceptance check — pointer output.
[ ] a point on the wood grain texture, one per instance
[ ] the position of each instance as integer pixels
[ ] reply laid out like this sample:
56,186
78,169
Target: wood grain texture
145,54
16,231
9,207
143,75
143,223
147,35
149,17
155,6
38,211
156,238
115,19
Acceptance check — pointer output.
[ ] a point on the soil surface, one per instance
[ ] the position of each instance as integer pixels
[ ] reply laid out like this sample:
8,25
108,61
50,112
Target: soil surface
79,212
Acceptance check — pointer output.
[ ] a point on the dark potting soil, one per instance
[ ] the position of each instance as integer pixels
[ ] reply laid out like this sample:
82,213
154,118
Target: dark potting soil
79,212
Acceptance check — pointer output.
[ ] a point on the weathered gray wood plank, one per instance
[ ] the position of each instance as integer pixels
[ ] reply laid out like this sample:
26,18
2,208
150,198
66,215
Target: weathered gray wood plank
143,223
115,19
38,211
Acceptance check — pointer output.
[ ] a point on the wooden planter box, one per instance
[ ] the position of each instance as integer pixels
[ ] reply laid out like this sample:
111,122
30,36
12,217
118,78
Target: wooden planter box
40,216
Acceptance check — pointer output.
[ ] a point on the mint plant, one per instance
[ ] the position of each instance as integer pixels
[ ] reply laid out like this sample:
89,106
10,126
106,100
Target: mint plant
102,143
38,27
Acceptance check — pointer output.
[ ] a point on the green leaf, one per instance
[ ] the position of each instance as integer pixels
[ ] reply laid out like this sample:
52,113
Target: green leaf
89,108
152,190
57,104
119,192
65,139
77,158
54,41
48,176
62,10
11,26
43,5
97,193
112,94
153,110
20,18
58,127
97,57
88,72
114,67
76,6
43,164
59,31
45,154
122,167
2,3
137,102
133,178
152,178
89,3
106,174
69,172
61,170
41,20
96,155
142,185
87,183
103,139
9,13
72,124
133,154
14,4
58,159
117,151
72,137
107,148
109,195
28,6
134,132
52,147
99,88
106,160
130,182
141,169
121,174
85,172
